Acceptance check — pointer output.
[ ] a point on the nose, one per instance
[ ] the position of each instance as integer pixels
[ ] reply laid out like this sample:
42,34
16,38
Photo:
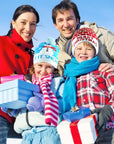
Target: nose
43,71
66,24
83,51
27,27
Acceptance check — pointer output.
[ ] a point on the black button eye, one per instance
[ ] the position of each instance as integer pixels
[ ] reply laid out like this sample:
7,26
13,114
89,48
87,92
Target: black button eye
16,56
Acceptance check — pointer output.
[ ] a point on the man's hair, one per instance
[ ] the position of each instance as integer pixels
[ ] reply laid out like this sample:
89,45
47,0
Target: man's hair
65,5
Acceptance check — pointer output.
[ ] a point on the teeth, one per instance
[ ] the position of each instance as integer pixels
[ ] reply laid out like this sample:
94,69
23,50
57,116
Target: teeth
26,34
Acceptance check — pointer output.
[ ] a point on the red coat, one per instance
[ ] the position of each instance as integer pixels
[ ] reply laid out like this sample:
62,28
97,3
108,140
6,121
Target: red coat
15,58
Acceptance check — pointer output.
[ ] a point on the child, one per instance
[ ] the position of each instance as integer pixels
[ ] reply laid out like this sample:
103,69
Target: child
45,106
88,87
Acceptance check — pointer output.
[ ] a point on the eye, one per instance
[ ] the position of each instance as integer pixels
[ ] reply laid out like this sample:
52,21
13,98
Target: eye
78,48
59,20
33,24
70,18
38,66
50,67
22,22
89,48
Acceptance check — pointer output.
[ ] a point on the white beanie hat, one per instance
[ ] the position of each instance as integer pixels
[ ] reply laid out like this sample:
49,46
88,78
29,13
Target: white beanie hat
47,52
85,34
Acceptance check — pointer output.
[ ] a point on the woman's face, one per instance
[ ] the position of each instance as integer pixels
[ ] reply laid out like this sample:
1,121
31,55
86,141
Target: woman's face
25,25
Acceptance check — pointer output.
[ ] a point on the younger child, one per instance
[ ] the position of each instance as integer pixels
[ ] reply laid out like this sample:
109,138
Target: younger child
45,106
88,87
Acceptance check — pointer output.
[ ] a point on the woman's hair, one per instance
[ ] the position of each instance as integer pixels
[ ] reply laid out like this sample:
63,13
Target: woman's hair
20,10
65,5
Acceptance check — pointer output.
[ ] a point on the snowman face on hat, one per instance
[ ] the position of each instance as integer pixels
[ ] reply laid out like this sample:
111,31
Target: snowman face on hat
47,53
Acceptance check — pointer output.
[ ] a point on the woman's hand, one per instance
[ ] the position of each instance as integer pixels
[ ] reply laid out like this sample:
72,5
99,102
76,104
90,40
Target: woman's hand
107,67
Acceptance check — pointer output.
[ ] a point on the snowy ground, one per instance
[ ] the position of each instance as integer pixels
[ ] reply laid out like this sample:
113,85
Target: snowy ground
13,141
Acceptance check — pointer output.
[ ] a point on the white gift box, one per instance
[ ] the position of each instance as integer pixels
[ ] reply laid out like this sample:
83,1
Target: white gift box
79,132
15,94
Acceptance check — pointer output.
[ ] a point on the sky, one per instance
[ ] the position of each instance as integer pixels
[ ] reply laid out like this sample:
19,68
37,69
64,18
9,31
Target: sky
99,11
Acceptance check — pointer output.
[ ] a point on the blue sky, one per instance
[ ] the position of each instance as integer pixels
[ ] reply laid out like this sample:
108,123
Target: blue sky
99,11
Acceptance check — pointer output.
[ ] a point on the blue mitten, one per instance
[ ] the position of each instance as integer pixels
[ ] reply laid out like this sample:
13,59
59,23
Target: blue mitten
36,103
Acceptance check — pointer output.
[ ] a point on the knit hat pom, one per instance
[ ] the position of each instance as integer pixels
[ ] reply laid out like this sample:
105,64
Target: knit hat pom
85,34
50,41
47,52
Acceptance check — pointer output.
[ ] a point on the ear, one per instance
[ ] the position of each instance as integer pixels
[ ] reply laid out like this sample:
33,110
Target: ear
77,21
13,23
56,26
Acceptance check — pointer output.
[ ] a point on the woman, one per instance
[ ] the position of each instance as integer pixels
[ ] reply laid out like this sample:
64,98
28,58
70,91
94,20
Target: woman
16,54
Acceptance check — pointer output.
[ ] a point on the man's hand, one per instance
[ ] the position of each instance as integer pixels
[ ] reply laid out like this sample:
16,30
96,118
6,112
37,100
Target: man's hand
108,67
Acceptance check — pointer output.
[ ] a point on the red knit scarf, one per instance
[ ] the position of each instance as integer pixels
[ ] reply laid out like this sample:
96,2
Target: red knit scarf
50,101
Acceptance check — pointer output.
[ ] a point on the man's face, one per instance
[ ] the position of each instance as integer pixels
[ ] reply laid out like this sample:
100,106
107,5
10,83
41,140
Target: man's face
66,23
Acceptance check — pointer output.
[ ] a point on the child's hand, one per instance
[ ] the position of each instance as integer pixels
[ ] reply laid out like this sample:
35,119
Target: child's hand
36,103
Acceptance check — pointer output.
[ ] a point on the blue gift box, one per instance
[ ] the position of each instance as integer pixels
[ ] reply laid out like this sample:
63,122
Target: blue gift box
77,115
15,94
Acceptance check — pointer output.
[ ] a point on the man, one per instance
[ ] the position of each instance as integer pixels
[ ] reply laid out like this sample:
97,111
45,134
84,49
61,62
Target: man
66,19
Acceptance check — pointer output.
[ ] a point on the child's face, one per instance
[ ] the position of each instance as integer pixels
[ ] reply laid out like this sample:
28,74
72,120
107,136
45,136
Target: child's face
43,69
84,51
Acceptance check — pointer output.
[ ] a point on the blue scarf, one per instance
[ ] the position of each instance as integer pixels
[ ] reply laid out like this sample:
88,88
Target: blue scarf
71,71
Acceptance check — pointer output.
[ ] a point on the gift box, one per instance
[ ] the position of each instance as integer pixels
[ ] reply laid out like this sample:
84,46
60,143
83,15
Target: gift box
4,79
72,116
15,94
79,132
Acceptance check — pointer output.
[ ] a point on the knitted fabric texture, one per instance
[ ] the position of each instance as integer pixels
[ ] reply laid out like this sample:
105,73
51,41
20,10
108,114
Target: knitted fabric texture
47,52
64,44
50,100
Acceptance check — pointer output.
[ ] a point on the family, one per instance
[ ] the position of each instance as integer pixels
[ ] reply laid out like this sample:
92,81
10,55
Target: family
76,69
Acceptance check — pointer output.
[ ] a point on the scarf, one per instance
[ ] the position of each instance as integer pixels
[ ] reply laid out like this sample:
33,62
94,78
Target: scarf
50,101
64,44
71,71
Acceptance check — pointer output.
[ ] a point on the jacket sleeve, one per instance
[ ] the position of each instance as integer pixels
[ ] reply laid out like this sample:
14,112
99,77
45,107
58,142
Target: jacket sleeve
110,44
109,77
63,57
60,96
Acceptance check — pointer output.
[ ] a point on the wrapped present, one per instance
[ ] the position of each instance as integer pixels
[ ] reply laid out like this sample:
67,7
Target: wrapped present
15,94
79,132
72,116
4,79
